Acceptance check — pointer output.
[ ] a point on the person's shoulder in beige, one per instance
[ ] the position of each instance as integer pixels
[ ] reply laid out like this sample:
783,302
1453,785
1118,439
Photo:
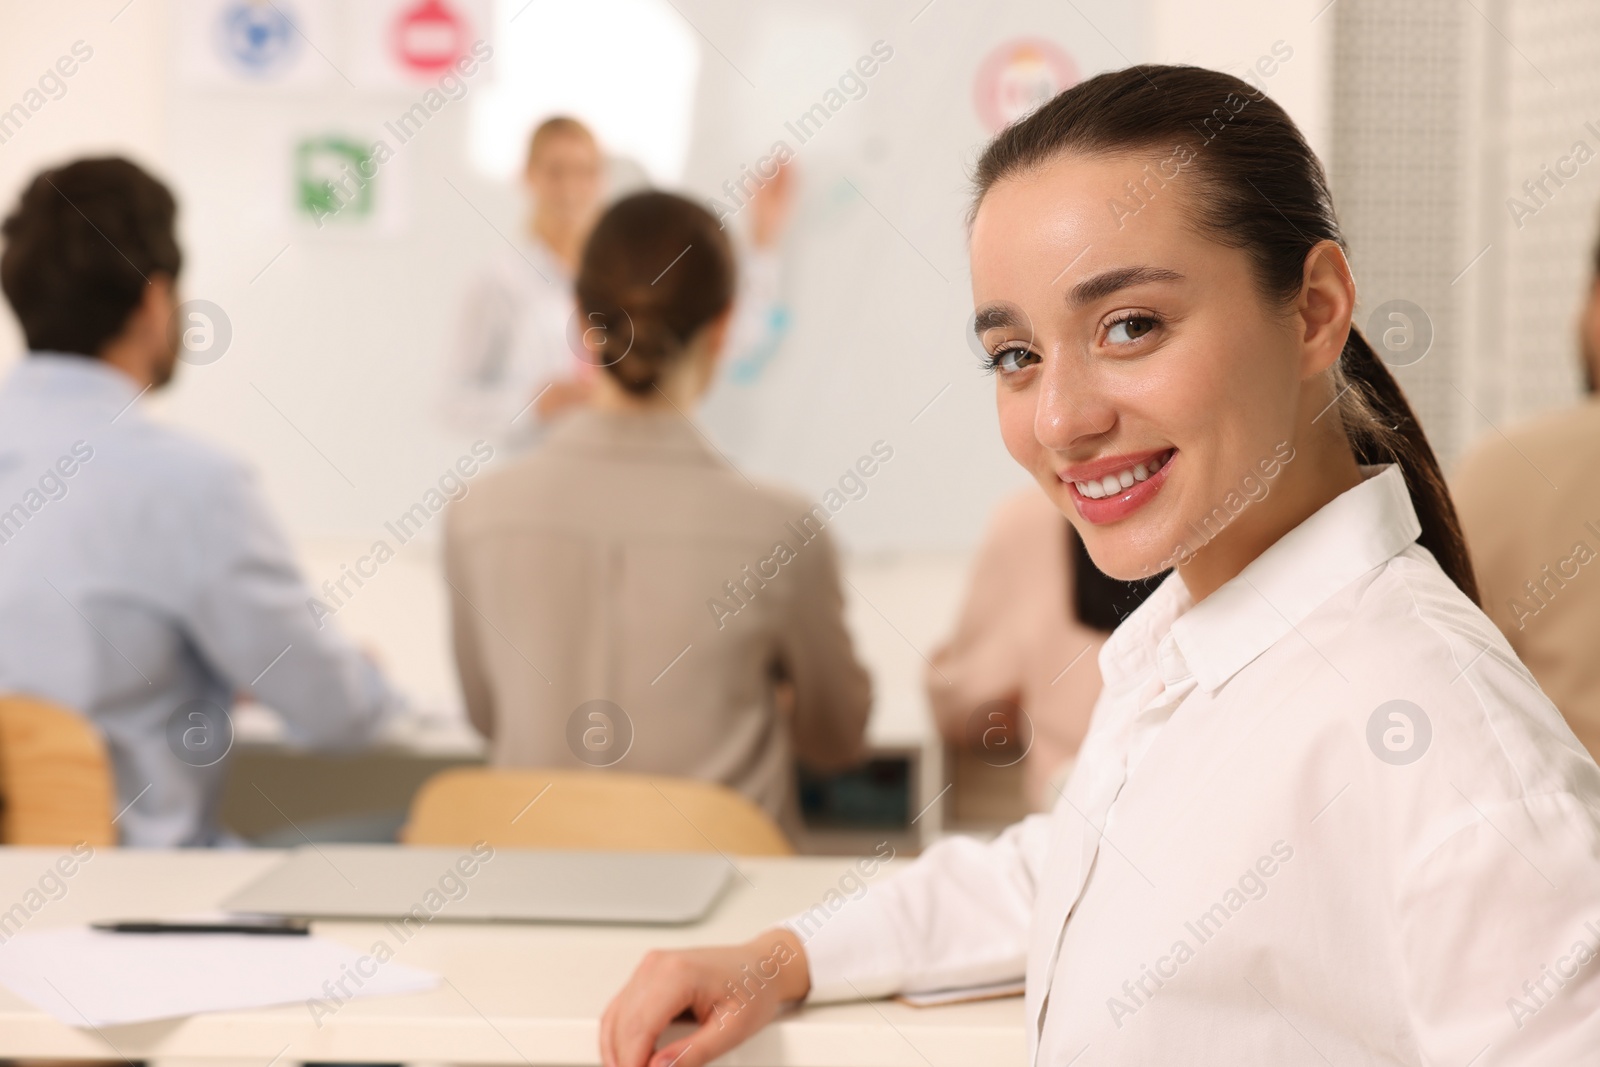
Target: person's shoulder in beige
1529,501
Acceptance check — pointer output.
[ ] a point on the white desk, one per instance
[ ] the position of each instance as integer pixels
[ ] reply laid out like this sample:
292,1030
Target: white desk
515,994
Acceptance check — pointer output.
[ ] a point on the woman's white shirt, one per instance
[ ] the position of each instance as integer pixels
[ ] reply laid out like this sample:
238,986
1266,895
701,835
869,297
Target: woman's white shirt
1324,815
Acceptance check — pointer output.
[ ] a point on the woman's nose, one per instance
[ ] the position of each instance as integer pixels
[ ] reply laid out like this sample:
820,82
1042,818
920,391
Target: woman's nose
1069,410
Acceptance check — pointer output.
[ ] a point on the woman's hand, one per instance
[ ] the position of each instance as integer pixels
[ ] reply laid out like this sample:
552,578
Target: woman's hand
732,991
770,206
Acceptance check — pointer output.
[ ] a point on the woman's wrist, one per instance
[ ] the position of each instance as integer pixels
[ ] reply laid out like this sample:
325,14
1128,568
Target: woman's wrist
780,950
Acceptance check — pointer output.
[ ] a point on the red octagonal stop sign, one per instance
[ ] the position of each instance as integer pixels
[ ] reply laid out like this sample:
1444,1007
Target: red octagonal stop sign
429,36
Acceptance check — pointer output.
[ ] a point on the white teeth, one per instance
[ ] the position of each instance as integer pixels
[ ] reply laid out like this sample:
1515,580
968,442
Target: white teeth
1112,484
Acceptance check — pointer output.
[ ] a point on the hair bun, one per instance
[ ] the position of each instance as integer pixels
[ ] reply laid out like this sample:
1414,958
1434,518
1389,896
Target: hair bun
656,270
650,345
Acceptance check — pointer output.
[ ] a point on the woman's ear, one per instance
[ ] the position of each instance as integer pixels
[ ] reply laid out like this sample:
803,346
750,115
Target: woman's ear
1327,301
716,333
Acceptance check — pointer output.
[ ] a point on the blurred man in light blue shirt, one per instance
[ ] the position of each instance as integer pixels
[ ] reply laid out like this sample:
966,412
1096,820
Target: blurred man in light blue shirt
142,581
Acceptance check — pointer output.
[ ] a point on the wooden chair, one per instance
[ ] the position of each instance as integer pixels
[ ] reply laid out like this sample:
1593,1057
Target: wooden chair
56,783
601,810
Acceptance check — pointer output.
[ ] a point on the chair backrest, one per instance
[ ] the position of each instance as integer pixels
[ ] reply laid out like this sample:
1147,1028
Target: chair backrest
56,782
600,810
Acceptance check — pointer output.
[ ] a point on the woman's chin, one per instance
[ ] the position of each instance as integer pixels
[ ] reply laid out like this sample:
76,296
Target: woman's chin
1126,560
1130,551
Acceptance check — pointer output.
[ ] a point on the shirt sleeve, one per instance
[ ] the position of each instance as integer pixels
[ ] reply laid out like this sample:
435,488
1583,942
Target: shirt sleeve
481,392
832,690
465,631
1508,972
759,317
957,916
258,626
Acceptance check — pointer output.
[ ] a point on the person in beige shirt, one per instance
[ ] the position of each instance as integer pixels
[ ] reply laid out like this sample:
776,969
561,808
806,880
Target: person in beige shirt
1530,508
622,597
1021,669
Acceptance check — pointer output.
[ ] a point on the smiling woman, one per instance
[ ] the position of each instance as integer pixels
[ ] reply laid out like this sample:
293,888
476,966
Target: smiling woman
1144,366
1153,303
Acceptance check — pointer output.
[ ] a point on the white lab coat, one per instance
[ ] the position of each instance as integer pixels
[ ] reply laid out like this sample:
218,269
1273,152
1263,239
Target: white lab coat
510,342
1260,859
512,337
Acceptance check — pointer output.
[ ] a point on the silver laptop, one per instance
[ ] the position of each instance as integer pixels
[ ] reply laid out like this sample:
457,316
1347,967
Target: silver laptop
512,885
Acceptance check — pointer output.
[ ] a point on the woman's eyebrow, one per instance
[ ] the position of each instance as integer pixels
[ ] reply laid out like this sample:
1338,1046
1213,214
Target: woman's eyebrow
998,317
1107,282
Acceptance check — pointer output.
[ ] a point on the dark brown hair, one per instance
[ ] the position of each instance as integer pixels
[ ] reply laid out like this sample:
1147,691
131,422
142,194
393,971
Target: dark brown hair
1258,187
655,270
80,246
1587,356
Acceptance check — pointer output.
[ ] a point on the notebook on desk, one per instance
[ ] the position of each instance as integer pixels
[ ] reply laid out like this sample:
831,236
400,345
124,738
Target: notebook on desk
387,882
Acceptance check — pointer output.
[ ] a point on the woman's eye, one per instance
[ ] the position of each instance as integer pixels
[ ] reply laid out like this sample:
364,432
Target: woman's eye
1130,329
1010,360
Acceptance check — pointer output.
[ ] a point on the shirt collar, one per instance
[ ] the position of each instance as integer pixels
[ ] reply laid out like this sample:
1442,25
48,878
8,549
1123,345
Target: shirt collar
1359,529
83,380
1130,653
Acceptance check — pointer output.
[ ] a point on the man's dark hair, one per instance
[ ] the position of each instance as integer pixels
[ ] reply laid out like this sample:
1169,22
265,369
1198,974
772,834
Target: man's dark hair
80,246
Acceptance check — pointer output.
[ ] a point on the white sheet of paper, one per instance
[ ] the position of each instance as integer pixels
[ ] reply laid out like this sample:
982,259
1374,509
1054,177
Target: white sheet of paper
90,977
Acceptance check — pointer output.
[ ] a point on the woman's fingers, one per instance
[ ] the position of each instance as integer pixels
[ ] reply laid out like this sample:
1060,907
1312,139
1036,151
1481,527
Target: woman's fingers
608,1056
661,987
700,1047
733,991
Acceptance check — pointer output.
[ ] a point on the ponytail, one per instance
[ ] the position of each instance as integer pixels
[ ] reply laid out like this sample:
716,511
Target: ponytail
633,323
1383,429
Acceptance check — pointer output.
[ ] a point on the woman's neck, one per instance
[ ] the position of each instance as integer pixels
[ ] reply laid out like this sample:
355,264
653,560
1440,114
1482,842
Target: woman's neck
678,390
1324,466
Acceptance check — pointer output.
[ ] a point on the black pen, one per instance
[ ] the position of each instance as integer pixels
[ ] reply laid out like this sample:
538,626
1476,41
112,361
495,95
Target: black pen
289,927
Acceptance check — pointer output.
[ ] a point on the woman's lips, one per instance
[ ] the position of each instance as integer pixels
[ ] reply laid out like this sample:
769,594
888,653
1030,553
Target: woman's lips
1124,500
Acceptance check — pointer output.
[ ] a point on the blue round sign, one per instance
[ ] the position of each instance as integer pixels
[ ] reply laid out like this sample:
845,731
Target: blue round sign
258,38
